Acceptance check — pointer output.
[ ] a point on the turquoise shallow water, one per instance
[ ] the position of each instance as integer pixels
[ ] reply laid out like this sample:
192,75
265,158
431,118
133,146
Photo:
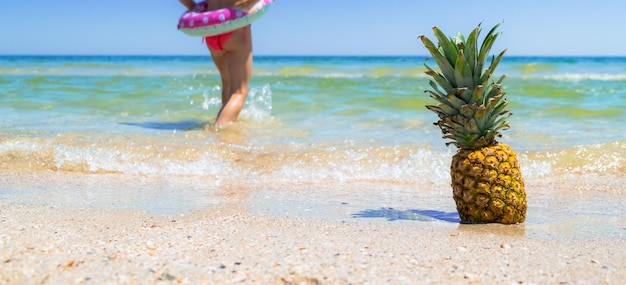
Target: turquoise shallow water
349,111
326,137
306,118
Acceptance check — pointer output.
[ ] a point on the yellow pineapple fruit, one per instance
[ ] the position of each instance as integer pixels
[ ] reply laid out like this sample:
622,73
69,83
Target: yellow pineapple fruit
486,180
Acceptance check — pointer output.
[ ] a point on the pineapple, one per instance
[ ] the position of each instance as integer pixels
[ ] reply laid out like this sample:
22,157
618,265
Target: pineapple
486,179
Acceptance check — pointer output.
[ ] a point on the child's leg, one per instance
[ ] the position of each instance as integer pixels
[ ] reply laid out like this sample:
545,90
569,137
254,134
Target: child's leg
235,66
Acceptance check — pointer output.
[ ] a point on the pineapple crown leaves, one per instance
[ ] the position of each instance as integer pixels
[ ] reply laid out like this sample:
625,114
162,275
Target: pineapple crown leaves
471,110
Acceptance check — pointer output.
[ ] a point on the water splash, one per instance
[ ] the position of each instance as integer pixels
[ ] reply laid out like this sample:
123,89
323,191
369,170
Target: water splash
212,98
257,108
258,105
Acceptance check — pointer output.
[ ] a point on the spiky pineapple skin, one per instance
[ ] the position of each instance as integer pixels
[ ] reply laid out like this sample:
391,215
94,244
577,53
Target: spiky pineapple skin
488,186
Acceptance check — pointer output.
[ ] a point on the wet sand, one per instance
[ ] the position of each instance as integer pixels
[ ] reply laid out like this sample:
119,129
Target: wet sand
69,228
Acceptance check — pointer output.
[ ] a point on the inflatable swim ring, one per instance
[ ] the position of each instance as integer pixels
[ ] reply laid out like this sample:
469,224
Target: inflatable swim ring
211,23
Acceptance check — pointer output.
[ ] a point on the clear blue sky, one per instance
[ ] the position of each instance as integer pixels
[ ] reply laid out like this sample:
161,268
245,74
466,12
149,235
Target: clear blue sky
322,27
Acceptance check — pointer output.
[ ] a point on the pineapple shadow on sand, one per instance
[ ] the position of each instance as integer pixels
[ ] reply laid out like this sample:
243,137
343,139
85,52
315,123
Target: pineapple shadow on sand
392,214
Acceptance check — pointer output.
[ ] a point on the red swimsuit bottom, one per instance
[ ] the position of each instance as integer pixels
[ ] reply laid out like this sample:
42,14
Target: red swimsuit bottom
217,42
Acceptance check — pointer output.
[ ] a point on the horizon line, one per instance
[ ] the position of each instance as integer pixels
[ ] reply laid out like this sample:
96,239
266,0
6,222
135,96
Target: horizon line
295,55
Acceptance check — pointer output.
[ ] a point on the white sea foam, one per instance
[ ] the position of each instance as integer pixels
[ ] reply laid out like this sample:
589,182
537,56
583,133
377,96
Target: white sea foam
577,77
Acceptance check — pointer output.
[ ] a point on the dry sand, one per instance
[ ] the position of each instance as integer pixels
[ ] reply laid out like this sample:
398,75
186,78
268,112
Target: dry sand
229,243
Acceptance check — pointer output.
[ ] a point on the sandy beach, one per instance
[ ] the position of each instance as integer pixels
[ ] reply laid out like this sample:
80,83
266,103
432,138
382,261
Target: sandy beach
233,238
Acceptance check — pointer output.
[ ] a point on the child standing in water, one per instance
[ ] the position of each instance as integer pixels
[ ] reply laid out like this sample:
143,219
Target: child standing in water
232,54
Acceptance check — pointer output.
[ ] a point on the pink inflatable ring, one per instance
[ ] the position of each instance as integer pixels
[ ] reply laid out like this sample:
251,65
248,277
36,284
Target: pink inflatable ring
211,23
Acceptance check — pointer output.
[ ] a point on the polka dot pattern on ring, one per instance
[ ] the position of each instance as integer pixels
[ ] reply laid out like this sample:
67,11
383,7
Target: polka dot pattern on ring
195,22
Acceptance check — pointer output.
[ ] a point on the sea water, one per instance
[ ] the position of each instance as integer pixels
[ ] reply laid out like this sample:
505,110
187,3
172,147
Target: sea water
306,119
316,117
